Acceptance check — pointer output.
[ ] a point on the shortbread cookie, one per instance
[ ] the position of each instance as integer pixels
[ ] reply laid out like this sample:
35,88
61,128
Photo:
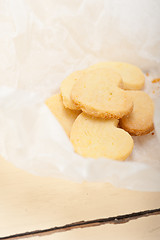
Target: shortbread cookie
66,117
140,120
98,94
95,138
66,87
132,76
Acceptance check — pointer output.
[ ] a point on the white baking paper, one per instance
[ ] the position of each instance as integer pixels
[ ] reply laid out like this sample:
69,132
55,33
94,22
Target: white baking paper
41,42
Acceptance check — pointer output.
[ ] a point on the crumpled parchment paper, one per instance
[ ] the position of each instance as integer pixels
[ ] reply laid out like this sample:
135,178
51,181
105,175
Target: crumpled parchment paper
41,42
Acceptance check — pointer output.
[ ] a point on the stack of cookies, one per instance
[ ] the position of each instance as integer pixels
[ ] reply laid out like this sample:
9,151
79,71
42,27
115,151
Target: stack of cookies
101,107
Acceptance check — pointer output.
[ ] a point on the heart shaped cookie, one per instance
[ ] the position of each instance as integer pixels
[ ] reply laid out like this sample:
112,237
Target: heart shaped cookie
98,93
66,117
95,138
140,120
132,76
66,87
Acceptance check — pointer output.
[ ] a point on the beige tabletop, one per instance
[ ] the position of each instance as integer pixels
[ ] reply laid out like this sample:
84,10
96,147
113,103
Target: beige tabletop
30,203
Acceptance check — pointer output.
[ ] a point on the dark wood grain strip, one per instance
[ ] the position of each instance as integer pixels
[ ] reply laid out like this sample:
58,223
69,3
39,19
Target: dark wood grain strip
83,224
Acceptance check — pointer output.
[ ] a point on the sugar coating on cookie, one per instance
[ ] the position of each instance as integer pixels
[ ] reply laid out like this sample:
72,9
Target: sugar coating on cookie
140,120
98,93
96,138
133,78
66,117
66,87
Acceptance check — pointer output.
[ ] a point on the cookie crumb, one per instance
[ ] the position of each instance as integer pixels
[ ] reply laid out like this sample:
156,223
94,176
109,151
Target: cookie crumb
147,74
156,80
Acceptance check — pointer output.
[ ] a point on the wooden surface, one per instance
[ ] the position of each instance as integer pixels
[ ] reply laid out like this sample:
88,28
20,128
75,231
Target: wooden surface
28,203
141,229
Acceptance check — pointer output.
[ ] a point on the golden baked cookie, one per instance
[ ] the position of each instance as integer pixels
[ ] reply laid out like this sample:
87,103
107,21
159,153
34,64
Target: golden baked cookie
98,93
140,120
66,87
132,76
66,117
96,138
